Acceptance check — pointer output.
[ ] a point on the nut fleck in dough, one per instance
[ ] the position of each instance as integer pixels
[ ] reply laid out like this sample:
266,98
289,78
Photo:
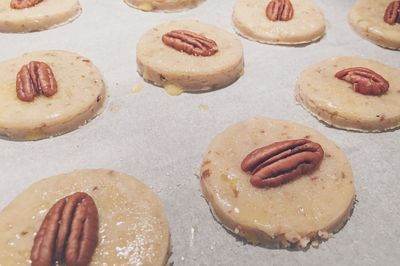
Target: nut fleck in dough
80,96
46,14
307,209
163,5
366,17
307,24
178,71
133,226
335,102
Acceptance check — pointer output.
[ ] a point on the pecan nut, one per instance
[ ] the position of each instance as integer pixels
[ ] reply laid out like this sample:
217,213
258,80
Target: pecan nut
392,13
69,232
34,79
279,10
364,80
190,43
20,4
281,162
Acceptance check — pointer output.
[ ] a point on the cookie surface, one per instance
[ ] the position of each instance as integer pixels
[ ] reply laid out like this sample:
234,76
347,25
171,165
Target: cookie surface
46,14
307,24
335,102
162,5
366,18
133,226
80,96
167,67
304,210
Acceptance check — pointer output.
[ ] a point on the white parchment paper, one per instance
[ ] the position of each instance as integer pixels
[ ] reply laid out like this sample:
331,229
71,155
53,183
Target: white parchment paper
160,139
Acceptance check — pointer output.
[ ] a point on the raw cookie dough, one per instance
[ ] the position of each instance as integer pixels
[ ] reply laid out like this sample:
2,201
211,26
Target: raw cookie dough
80,96
133,226
366,17
178,71
163,5
335,102
307,24
297,213
46,14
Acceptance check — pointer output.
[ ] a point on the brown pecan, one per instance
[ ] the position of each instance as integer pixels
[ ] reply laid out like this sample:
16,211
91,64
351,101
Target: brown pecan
364,80
281,162
279,10
190,43
392,13
20,4
34,79
69,232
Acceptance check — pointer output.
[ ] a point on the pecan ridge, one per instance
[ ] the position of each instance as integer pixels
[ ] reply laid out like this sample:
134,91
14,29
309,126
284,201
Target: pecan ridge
279,10
190,43
20,4
364,80
34,79
282,162
392,13
69,232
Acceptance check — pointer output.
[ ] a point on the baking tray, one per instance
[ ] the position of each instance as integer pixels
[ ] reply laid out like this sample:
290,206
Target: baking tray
161,139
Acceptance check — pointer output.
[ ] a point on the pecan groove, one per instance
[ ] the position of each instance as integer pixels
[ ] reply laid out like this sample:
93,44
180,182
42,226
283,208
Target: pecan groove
34,79
281,162
190,43
279,10
364,80
392,13
20,4
69,232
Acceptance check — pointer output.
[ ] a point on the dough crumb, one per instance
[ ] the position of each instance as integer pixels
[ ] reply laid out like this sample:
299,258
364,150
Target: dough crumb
203,107
137,88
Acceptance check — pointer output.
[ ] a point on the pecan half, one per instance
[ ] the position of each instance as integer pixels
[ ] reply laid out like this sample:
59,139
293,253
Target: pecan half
279,10
20,4
364,80
281,162
34,79
190,43
392,13
69,232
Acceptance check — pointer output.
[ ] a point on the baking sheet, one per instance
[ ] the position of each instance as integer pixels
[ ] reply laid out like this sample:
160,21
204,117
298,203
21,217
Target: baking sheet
160,139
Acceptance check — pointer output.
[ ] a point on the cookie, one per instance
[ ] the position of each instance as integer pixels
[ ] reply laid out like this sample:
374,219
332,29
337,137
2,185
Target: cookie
36,15
163,5
300,196
30,112
133,229
376,21
187,55
279,21
340,103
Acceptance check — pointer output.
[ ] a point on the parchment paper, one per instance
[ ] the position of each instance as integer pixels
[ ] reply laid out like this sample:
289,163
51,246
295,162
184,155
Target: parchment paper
160,139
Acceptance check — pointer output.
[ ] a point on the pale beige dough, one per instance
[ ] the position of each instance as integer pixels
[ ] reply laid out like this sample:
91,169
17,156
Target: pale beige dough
47,14
81,94
366,17
335,102
133,229
163,5
295,214
307,24
169,68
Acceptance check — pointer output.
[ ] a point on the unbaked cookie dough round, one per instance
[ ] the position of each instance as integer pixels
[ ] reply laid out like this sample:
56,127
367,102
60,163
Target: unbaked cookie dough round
80,96
163,5
46,14
303,211
133,229
366,17
335,102
178,71
307,24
